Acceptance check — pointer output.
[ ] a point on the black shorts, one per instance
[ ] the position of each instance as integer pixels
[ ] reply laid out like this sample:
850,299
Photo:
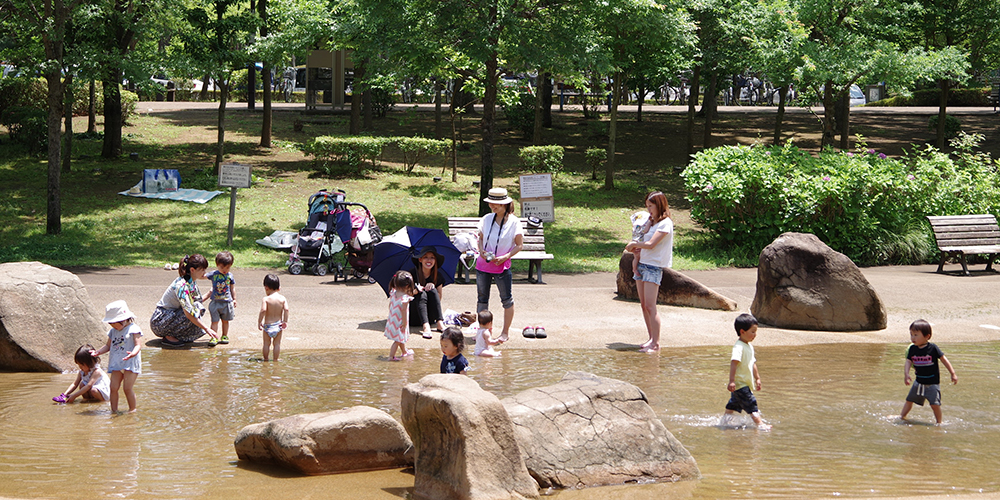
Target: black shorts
742,400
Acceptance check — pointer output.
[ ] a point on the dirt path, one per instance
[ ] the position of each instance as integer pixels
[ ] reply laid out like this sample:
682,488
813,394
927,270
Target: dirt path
578,311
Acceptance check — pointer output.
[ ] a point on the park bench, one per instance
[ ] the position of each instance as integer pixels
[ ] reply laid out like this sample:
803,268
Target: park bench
995,94
533,250
961,235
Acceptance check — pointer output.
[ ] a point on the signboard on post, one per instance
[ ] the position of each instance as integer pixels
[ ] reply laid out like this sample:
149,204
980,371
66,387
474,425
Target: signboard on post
232,176
536,197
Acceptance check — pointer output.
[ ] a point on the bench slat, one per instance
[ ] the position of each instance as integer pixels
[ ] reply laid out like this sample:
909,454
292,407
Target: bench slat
961,235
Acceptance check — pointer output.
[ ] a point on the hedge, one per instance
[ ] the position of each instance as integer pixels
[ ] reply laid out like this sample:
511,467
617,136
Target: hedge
542,158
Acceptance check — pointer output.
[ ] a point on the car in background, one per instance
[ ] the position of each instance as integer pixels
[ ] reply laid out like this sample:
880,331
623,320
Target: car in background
857,96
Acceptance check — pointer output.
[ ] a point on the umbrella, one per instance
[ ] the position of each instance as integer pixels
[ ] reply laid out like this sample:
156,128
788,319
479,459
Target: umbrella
395,252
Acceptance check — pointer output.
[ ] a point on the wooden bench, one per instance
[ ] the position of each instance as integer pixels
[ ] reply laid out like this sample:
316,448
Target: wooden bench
533,250
961,235
995,94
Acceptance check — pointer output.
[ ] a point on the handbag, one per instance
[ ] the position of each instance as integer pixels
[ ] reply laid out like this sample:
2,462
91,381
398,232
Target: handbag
158,180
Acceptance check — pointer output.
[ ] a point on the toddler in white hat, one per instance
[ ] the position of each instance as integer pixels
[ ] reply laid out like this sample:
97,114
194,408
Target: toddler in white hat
124,344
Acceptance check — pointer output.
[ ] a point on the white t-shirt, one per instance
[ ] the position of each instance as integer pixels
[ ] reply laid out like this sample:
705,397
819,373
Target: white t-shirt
662,255
497,240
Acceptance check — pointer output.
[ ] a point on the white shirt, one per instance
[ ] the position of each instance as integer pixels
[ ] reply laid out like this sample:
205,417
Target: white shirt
662,255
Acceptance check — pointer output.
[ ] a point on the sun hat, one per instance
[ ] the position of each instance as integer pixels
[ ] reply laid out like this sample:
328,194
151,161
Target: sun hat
498,196
420,253
117,311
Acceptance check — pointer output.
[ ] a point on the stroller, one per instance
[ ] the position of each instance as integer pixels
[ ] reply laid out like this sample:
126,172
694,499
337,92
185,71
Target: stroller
330,228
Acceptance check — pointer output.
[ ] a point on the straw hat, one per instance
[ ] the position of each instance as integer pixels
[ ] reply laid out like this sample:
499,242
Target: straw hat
117,311
498,196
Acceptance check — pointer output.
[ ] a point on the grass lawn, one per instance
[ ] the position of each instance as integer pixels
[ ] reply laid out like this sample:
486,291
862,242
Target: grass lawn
102,228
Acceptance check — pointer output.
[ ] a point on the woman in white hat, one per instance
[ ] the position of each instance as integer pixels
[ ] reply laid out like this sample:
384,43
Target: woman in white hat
500,238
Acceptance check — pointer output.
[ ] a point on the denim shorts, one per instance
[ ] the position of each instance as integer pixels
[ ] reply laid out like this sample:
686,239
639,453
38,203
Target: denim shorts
504,280
742,400
648,273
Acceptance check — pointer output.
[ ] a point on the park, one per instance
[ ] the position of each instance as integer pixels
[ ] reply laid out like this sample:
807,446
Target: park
614,100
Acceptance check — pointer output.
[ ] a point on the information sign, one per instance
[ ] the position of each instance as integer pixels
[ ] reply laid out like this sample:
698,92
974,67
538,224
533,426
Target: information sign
536,197
234,175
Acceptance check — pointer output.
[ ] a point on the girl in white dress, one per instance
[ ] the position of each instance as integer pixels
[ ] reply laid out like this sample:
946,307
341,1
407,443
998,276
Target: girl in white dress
124,344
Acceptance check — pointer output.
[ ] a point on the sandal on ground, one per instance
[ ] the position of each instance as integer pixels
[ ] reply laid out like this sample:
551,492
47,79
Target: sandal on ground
171,343
60,398
540,332
212,342
528,332
224,339
427,335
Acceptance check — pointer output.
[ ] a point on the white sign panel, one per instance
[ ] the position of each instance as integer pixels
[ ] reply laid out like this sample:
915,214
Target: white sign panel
234,175
543,209
536,186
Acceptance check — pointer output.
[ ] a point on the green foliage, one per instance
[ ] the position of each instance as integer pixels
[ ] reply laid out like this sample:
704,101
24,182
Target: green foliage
413,148
520,114
542,158
382,101
129,102
863,204
28,126
349,151
595,159
952,125
25,92
932,97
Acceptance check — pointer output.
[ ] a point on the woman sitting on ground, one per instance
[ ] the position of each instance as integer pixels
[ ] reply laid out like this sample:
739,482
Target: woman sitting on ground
426,307
177,318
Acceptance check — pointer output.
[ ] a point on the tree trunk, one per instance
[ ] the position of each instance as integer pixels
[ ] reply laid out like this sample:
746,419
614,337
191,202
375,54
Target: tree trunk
489,129
536,136
454,145
692,105
203,95
355,126
54,98
640,92
828,112
367,108
782,95
708,107
942,113
112,147
265,129
844,119
67,145
547,100
221,143
438,126
609,166
92,109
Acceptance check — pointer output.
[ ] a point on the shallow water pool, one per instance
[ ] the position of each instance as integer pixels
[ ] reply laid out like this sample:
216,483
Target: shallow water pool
834,409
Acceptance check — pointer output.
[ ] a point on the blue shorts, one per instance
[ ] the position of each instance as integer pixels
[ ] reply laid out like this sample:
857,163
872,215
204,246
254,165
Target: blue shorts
648,273
742,400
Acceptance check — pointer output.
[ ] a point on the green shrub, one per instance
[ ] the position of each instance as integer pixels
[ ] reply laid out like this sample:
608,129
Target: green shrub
863,204
28,126
521,114
932,97
595,159
350,151
382,101
542,158
23,92
413,148
952,125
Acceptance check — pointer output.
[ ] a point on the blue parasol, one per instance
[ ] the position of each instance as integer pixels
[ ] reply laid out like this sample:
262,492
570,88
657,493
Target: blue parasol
395,252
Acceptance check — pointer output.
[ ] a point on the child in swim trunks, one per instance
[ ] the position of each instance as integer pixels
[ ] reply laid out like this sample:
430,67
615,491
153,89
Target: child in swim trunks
273,317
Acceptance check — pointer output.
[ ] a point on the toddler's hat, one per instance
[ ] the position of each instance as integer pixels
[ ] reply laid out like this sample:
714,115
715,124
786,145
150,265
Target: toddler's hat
117,311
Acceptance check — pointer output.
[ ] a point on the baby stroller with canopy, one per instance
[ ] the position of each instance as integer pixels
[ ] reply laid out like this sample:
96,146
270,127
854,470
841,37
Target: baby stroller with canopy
329,230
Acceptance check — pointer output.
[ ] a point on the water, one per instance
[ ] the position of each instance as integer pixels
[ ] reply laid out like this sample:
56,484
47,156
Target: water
834,409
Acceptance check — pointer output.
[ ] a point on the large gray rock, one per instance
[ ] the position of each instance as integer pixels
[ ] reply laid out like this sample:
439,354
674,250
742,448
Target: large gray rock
593,431
464,441
804,284
353,439
675,289
45,316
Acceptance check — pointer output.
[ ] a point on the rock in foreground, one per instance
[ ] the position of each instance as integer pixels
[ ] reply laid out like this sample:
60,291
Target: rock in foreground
353,439
45,316
587,431
464,442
